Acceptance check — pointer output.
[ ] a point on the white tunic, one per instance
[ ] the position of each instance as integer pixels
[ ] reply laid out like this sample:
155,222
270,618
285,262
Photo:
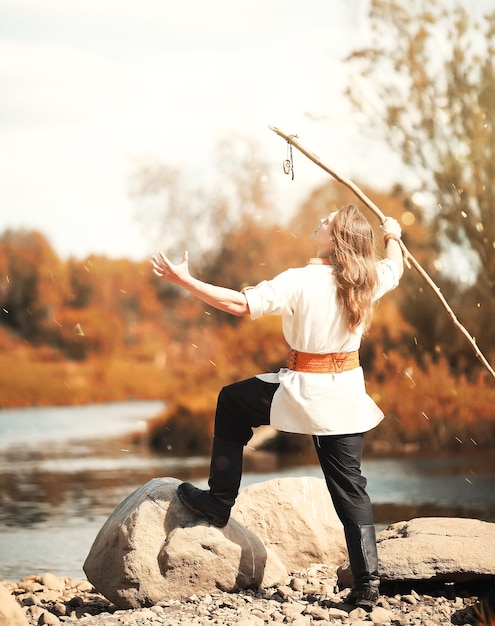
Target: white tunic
313,321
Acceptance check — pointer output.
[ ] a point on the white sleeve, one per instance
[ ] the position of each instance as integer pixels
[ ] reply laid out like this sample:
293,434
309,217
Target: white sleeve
271,297
388,277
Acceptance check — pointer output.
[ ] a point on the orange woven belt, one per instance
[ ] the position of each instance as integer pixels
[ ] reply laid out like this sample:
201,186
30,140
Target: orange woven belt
335,362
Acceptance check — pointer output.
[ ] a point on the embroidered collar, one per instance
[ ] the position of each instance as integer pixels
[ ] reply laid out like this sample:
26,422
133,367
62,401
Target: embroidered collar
319,261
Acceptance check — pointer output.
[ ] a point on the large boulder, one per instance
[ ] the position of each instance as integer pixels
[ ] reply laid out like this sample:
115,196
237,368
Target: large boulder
434,549
11,613
152,547
296,518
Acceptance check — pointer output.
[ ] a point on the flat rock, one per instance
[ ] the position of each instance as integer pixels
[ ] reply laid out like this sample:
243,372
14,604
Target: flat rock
434,549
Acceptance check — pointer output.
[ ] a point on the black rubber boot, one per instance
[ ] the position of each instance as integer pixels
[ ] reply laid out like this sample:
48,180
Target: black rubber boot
225,477
363,558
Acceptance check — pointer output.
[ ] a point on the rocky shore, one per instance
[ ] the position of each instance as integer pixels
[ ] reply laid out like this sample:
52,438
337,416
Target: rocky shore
155,563
309,597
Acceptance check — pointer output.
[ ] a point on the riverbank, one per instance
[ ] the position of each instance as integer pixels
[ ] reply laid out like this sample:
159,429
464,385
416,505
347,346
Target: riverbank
309,597
428,409
64,470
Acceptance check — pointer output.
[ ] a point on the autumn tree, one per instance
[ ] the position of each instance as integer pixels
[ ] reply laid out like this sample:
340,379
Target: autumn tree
35,284
425,81
121,286
90,331
82,285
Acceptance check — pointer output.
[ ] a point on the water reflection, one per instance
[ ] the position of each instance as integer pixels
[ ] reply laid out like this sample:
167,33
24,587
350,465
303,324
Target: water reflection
81,484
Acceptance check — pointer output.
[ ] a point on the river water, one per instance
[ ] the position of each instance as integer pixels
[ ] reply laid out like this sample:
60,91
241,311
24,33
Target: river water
64,469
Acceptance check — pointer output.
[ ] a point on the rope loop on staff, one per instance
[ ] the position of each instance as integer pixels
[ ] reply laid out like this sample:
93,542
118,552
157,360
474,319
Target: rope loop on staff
289,161
408,257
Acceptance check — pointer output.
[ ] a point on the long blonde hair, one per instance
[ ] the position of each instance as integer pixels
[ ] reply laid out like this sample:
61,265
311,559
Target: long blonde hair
354,264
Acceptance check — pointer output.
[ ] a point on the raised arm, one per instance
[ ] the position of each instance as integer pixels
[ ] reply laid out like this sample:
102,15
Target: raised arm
228,300
392,232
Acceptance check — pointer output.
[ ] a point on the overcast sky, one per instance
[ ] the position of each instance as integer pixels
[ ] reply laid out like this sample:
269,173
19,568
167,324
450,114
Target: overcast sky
89,86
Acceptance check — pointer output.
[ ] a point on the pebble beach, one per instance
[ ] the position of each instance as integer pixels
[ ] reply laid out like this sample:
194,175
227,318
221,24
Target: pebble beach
309,597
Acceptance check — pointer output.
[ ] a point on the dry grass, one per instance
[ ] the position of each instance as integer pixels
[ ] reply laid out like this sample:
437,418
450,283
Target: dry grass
29,380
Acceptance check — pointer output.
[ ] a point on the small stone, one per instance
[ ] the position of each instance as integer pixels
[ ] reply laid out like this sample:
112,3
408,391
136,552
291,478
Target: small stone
27,599
381,616
409,599
49,619
250,621
343,593
285,592
33,613
358,613
33,586
84,586
383,602
48,595
311,598
293,609
277,616
417,615
59,609
52,582
125,617
202,612
445,609
328,589
317,612
297,584
340,613
303,620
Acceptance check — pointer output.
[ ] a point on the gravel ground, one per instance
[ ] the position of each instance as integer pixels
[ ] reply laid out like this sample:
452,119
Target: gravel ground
310,597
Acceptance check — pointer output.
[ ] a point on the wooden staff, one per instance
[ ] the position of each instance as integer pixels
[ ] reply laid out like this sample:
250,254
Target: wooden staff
408,257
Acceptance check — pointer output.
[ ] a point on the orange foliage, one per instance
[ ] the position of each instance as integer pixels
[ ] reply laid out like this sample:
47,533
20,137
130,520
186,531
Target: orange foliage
429,407
112,330
34,283
186,426
80,332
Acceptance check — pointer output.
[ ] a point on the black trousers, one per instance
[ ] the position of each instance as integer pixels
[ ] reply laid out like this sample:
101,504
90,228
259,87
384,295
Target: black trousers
245,405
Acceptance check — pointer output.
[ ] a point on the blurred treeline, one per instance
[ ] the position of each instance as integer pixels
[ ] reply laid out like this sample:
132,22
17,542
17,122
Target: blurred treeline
80,331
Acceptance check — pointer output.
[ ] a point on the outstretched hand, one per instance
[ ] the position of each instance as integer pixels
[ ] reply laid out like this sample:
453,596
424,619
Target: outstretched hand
222,298
176,274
